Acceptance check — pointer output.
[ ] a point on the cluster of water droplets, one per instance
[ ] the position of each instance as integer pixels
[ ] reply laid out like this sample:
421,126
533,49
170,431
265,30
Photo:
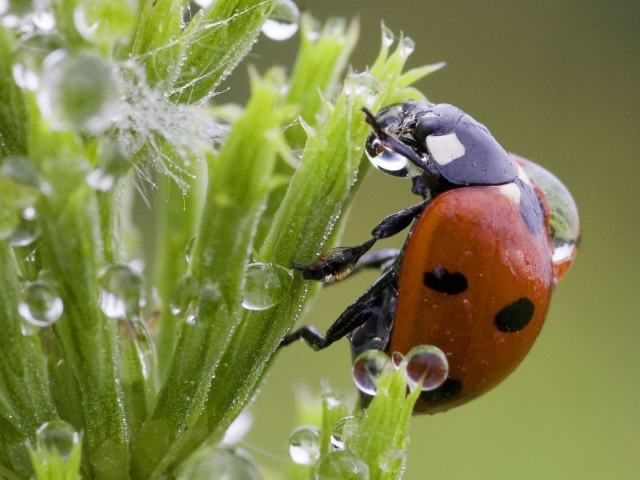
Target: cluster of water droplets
27,16
283,20
122,291
426,366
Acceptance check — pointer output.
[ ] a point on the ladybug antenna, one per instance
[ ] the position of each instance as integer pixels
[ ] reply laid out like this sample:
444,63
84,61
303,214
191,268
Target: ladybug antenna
393,143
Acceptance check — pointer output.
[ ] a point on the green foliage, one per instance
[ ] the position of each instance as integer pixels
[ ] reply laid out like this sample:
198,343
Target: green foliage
146,394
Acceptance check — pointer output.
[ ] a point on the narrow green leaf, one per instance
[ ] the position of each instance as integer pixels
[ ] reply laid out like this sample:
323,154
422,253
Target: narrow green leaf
157,41
176,215
13,117
383,435
23,376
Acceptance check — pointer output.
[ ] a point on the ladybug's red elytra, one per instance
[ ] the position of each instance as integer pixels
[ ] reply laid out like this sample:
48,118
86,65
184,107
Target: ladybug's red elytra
493,236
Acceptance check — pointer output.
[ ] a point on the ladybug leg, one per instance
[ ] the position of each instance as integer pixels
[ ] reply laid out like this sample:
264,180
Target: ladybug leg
371,305
337,263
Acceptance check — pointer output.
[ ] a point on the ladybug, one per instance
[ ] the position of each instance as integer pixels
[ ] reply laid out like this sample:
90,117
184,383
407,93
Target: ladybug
488,243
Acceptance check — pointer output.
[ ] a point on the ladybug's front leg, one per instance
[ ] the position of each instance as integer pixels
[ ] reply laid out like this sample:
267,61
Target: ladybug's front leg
337,263
373,304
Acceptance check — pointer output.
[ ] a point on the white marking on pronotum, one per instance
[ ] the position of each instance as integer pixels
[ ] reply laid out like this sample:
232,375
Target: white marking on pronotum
445,148
511,191
522,175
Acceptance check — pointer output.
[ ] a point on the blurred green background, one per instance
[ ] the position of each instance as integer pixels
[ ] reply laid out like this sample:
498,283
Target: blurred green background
557,82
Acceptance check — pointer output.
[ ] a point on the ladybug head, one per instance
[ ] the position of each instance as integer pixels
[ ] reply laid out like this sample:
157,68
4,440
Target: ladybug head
438,143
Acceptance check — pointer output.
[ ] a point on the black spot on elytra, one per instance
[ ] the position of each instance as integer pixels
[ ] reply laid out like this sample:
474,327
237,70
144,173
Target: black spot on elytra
515,316
449,389
531,208
442,281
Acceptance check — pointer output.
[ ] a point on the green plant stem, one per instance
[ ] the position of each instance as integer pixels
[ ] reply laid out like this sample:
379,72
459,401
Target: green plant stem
13,116
177,212
239,180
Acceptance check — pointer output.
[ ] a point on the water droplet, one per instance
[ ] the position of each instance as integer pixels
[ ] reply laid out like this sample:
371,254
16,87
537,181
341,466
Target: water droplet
362,85
203,3
183,293
344,431
387,160
28,230
429,364
397,359
189,250
340,465
219,464
57,437
304,445
266,284
406,47
191,320
333,400
283,20
312,29
387,36
104,22
122,292
367,369
40,304
4,6
24,77
44,20
564,224
78,89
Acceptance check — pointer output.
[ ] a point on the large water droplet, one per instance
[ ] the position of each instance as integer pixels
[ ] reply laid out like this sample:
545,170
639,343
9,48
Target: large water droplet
122,292
343,431
40,304
564,224
184,292
304,445
367,369
105,21
426,363
283,20
57,437
387,160
266,284
219,464
341,465
78,90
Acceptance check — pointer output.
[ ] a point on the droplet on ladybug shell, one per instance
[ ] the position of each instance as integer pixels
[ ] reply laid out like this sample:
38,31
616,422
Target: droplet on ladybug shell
564,224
